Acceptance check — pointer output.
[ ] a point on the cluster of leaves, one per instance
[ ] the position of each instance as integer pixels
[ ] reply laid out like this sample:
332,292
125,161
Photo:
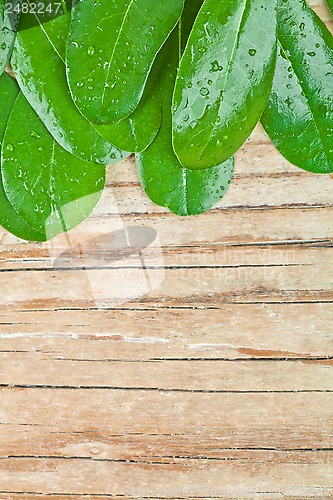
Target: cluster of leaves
180,83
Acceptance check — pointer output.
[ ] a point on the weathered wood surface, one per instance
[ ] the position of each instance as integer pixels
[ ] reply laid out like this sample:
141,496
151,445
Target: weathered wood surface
216,383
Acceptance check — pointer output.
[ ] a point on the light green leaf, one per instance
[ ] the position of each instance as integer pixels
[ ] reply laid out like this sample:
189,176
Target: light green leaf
299,114
9,219
224,79
38,63
51,190
167,183
111,47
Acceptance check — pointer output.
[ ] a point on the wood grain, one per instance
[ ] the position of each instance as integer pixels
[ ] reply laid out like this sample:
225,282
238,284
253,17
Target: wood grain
215,382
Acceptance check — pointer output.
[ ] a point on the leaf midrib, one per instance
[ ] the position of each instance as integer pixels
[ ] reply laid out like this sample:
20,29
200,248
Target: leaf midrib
184,172
112,56
308,100
47,36
226,74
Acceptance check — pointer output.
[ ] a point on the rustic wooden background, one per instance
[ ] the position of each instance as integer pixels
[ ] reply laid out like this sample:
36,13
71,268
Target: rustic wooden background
214,384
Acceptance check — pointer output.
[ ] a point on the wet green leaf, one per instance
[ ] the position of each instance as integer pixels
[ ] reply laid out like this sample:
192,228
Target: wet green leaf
7,36
38,63
135,132
167,183
9,219
224,80
50,189
114,44
299,113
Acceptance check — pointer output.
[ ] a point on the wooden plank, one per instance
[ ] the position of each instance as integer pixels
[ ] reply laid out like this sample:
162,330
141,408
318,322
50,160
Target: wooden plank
234,331
205,254
265,191
312,493
293,420
234,226
188,286
153,437
151,480
50,369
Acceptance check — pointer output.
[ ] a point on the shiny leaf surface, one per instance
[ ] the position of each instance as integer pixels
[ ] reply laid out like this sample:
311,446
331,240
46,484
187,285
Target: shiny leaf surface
38,63
9,218
7,37
135,132
224,79
50,189
112,46
299,113
167,183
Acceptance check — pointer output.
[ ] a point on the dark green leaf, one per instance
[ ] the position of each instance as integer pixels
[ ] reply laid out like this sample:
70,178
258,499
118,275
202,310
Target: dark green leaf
7,36
114,44
167,183
185,25
38,63
299,114
224,79
9,219
51,190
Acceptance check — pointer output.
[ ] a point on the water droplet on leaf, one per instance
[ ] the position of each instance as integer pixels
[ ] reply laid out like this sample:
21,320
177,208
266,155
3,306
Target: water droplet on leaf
204,91
215,66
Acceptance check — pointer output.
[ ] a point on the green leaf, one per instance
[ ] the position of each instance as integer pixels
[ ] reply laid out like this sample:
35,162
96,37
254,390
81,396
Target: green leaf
9,219
38,63
115,44
185,25
167,183
330,5
299,114
7,36
51,190
224,79
135,132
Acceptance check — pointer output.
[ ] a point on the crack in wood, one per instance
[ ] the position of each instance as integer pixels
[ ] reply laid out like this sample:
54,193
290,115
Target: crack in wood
159,389
172,268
